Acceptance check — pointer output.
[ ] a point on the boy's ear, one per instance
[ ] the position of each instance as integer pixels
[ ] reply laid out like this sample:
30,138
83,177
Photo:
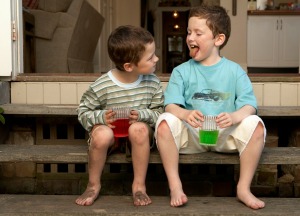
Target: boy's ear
128,67
220,40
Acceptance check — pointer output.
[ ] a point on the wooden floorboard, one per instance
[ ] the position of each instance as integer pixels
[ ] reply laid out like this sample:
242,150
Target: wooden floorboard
122,205
78,154
91,77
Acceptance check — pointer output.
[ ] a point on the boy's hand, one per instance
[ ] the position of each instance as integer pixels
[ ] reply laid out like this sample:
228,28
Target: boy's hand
133,116
109,118
224,120
194,118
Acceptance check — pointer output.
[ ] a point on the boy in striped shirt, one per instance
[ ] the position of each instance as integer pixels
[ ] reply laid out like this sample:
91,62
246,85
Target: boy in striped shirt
132,83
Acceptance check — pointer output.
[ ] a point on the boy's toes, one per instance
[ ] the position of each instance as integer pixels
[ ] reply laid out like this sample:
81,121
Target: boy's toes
141,199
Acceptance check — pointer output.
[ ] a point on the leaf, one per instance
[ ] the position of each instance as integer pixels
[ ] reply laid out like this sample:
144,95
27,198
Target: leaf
1,110
2,119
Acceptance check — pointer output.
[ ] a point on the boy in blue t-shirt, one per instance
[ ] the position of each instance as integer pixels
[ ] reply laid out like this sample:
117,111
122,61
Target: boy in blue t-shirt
209,84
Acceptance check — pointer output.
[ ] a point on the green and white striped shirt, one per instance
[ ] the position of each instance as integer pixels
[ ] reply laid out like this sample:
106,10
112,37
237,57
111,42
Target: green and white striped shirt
144,95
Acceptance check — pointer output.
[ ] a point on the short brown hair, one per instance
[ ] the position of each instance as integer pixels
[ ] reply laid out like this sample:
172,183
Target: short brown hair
126,44
216,17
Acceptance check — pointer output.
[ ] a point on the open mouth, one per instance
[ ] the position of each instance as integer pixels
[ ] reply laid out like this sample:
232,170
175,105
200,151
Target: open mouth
193,51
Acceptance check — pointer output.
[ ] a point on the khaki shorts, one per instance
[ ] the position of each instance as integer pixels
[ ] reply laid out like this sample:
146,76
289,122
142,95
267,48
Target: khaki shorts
230,140
122,144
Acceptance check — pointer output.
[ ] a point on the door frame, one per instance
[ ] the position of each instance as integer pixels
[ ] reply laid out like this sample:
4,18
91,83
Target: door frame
11,39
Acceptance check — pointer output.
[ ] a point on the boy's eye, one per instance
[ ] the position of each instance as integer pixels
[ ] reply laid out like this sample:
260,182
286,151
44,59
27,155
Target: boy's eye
151,57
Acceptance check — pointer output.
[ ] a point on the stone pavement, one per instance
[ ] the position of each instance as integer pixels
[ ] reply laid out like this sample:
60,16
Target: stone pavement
25,205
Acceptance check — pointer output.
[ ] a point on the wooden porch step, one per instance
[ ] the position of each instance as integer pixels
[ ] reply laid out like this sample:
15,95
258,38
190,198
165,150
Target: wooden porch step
70,110
91,77
78,154
122,205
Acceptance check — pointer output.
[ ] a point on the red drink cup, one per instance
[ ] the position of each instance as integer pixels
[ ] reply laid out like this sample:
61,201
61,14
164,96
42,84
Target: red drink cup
121,127
121,122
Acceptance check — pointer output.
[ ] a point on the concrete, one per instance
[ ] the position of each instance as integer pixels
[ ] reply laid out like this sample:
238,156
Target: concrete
122,205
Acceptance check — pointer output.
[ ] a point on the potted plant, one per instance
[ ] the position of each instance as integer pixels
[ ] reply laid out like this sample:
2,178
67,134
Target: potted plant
2,119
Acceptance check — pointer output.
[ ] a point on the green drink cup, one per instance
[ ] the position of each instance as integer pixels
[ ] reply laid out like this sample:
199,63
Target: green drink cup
208,134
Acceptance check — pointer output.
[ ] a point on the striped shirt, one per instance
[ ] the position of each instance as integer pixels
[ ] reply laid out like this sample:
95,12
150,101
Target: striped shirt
144,95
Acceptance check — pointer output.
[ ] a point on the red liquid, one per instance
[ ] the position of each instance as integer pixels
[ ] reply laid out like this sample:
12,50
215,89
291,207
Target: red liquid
121,129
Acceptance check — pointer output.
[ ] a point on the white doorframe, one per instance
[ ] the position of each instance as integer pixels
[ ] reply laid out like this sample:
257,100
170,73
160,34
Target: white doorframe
11,43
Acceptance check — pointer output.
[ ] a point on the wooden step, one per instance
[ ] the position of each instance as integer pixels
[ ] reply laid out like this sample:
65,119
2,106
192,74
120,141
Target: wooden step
78,154
70,110
91,77
122,205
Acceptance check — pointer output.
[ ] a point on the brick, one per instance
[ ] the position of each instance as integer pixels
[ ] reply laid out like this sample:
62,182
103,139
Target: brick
288,169
7,170
24,138
294,140
223,188
5,92
201,188
297,173
285,189
58,186
267,175
297,189
35,93
17,185
286,186
266,191
25,169
267,178
271,141
18,92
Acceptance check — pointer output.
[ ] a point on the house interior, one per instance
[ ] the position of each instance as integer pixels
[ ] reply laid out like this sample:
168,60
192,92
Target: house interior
69,36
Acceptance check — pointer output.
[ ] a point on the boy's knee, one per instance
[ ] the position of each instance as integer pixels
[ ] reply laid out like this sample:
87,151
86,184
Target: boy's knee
162,128
260,129
139,129
259,132
102,137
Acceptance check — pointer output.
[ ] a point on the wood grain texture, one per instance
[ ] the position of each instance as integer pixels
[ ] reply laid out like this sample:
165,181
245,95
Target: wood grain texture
78,154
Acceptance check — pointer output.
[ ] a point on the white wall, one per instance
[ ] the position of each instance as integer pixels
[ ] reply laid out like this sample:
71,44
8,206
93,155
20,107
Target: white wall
236,48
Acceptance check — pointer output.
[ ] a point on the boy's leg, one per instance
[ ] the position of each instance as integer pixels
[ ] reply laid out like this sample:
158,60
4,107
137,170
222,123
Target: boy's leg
101,140
140,153
170,159
249,160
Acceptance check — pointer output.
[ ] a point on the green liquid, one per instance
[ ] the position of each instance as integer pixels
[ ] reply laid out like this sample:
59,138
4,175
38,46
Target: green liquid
208,137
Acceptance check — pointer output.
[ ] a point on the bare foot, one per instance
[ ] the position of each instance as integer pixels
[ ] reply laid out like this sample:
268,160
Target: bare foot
250,200
141,199
178,198
88,197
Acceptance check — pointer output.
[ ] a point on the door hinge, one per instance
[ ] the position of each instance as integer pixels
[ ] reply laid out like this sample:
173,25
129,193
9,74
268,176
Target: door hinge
13,31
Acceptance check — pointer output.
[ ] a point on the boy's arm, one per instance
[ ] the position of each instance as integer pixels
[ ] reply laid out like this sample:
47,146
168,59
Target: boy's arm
193,117
177,110
88,114
156,107
225,120
242,113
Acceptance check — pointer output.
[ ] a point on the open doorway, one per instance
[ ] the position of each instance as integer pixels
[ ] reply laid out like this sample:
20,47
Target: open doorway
60,36
167,21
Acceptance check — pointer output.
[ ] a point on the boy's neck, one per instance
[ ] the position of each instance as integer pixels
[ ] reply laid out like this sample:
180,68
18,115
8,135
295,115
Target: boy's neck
124,76
212,60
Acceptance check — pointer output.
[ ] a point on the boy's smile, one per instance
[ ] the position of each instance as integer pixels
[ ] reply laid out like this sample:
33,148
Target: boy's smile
193,50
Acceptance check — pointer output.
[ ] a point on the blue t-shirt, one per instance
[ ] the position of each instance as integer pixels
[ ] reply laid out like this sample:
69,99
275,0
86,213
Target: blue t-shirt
223,87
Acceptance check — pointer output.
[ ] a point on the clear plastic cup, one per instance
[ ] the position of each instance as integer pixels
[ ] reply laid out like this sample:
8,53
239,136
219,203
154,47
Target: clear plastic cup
208,134
121,121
